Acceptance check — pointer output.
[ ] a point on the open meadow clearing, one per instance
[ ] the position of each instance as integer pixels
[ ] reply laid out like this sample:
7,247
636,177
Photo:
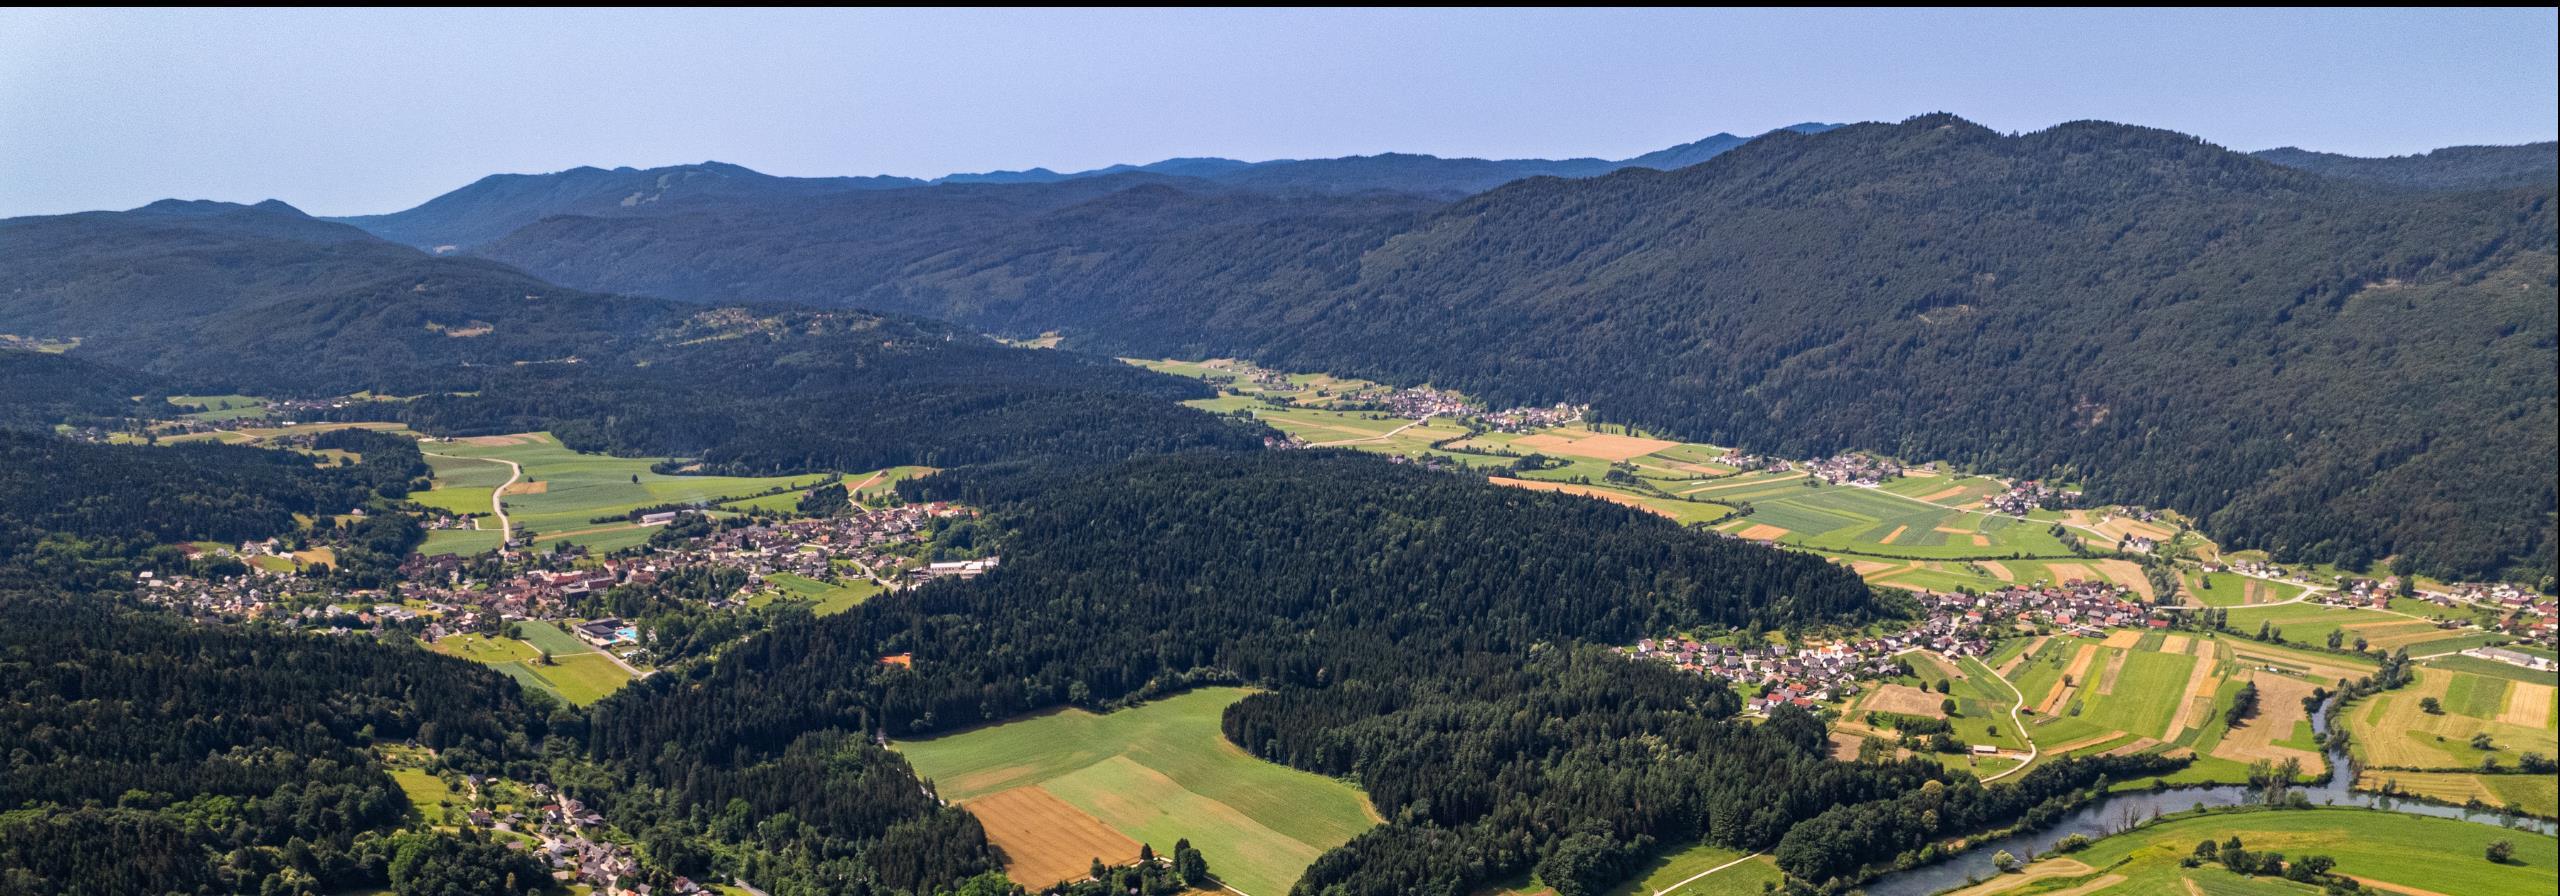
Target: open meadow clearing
823,598
2387,850
577,674
1152,774
569,490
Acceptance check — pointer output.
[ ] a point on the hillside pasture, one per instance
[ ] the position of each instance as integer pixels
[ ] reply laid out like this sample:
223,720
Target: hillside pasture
574,488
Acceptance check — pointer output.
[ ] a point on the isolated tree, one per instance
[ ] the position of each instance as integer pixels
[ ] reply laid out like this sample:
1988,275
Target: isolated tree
2431,706
2005,862
1947,706
2501,852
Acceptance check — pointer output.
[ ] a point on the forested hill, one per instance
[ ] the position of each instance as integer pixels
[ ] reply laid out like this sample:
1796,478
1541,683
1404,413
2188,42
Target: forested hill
266,301
2313,364
494,206
2451,168
1433,636
491,206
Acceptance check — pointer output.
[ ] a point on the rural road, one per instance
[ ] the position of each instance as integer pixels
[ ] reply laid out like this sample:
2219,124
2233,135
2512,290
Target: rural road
1694,877
498,498
1384,435
2032,749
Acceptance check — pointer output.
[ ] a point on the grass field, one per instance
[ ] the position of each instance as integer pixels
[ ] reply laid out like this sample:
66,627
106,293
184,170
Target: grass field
2394,730
1153,774
823,598
2413,855
2533,794
1743,879
577,674
577,488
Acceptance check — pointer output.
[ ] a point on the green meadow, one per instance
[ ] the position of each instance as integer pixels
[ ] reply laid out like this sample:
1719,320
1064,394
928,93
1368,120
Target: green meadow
564,491
2411,854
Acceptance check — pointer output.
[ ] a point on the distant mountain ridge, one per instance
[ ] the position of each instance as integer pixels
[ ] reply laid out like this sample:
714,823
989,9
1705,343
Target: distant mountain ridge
499,204
2114,304
2450,168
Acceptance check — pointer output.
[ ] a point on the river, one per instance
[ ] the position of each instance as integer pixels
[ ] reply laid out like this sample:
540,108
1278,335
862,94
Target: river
2116,812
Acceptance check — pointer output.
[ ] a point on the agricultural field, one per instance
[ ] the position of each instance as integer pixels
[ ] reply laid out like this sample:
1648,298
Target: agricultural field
2531,794
564,490
2167,692
2311,623
1059,789
2403,853
2231,589
2393,730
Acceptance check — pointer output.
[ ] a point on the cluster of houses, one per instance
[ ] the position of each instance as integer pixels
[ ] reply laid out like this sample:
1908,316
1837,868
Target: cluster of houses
1853,469
2030,494
1954,625
1528,419
1748,462
570,839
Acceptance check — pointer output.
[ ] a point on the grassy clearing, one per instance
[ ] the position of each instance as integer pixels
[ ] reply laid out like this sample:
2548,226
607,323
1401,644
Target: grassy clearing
824,598
1156,773
2394,730
550,637
2534,794
1673,867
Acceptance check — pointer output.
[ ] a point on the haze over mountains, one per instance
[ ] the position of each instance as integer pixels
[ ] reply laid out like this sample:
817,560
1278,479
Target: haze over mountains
2105,303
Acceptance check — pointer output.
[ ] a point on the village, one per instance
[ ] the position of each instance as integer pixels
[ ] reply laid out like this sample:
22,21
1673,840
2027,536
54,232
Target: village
444,595
1952,625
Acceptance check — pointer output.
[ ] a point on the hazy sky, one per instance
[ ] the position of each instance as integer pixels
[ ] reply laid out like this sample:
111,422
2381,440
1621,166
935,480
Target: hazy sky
356,112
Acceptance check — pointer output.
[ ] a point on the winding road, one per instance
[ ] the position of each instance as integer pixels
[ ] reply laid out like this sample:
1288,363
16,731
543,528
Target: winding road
498,498
2032,749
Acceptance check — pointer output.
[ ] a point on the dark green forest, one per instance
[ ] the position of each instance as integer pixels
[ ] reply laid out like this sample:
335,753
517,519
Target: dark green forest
144,754
2330,368
1395,613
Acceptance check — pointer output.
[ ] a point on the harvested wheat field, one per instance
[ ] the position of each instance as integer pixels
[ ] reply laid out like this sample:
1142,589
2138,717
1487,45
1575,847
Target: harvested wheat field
2174,643
1588,491
1598,446
2070,572
1044,839
1763,532
1896,533
496,441
2195,703
2071,676
1844,746
529,488
1934,497
2528,704
2279,707
1903,699
2123,638
2126,573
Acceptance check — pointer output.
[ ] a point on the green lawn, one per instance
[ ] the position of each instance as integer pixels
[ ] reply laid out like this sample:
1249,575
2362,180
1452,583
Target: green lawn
1157,773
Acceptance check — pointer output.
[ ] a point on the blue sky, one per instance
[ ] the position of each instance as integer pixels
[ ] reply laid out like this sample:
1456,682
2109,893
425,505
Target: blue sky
356,112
